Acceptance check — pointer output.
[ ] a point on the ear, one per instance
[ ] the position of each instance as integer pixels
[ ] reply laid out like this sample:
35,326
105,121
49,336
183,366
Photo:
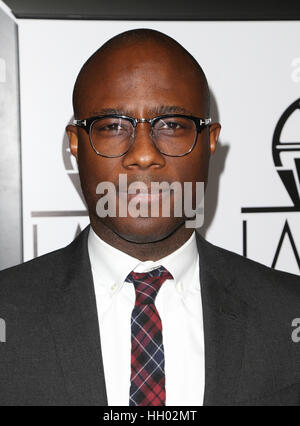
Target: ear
73,139
214,131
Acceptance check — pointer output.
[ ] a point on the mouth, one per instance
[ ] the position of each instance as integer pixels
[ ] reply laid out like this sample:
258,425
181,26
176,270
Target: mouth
144,196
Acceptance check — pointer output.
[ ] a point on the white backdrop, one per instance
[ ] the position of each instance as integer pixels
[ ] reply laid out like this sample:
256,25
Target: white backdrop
253,69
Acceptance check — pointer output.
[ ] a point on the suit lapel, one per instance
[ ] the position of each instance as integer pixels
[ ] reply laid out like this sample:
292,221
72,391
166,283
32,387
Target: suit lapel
224,318
74,323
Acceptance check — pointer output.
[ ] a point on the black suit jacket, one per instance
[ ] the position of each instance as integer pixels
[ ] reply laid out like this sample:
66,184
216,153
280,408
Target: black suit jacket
52,354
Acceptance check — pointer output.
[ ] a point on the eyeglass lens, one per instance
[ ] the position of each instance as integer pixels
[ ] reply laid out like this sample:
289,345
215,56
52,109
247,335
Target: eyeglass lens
112,136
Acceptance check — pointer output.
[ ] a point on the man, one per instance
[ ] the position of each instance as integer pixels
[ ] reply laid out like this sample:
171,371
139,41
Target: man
141,310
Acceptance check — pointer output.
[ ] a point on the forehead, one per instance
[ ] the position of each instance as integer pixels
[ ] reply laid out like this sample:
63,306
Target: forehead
137,78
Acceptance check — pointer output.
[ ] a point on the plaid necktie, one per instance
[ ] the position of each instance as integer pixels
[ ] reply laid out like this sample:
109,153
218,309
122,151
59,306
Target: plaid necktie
147,383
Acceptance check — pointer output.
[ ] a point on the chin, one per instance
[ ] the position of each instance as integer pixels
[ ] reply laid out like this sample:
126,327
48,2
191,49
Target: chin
143,229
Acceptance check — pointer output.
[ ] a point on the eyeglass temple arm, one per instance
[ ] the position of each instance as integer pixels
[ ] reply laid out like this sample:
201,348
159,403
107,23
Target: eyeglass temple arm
81,123
205,122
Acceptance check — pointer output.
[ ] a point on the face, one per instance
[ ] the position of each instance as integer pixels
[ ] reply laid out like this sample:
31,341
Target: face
141,82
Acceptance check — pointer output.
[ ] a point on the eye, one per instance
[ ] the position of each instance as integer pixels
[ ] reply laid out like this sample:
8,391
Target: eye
171,125
112,127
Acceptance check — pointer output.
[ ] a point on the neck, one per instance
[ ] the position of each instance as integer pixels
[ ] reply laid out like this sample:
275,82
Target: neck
143,251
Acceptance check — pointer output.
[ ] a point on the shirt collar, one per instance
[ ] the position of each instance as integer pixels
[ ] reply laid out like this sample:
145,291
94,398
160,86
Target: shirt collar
111,266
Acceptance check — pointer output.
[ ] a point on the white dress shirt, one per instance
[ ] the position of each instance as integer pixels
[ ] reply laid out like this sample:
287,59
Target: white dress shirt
180,308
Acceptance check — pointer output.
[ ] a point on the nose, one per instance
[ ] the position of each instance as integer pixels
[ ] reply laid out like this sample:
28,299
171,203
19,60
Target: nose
143,152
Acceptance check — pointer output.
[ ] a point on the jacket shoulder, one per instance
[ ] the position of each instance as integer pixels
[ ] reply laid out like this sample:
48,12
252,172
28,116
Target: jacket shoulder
251,279
31,282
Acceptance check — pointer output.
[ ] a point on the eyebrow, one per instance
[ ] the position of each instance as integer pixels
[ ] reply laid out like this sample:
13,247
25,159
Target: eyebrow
160,110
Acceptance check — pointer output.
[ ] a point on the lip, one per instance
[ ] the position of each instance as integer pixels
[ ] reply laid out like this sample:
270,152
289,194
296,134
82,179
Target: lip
144,196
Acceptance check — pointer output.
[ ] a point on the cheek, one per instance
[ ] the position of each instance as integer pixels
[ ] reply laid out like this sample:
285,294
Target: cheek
194,166
93,168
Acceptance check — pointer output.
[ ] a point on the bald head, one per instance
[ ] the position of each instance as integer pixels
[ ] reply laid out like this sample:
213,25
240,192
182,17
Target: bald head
140,46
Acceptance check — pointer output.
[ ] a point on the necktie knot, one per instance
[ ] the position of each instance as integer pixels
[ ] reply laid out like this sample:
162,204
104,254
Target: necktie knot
147,284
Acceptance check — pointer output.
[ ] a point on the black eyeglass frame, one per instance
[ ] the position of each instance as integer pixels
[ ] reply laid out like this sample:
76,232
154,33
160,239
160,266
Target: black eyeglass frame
87,123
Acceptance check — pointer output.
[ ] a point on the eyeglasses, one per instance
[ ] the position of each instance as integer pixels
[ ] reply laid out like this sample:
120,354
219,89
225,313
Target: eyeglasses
173,135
